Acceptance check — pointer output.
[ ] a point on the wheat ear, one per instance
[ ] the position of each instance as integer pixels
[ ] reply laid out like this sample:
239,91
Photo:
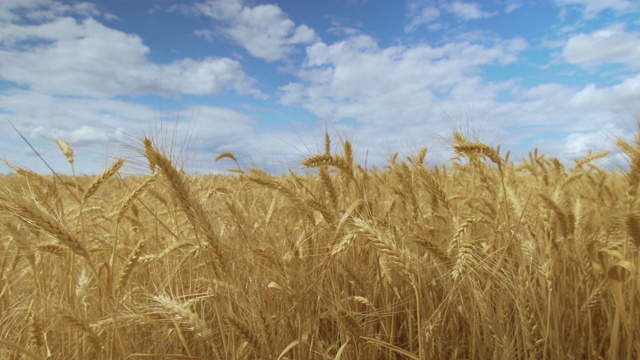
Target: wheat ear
226,155
383,245
102,178
591,157
33,215
77,322
181,191
252,339
134,257
133,196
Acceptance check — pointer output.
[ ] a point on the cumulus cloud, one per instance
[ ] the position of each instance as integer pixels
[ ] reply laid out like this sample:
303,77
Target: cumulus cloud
467,10
41,10
86,58
355,78
429,13
383,98
391,94
265,31
577,145
422,15
591,8
83,136
609,45
68,73
622,96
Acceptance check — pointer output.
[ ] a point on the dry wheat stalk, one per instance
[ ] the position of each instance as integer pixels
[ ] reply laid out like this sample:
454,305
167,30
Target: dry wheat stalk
463,259
626,147
360,300
267,329
466,148
565,218
36,333
226,155
133,196
327,184
422,154
181,191
633,227
350,324
185,314
76,321
356,276
51,248
131,263
250,337
27,172
571,179
594,297
320,160
591,157
508,308
102,178
66,149
327,144
384,246
465,249
343,244
33,215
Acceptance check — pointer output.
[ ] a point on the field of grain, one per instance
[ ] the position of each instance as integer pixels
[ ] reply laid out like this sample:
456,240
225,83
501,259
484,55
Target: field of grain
479,259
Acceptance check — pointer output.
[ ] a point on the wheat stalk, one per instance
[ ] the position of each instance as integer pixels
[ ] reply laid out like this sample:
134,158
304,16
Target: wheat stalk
126,204
132,261
591,157
76,321
33,215
383,245
226,155
181,191
102,178
245,331
66,149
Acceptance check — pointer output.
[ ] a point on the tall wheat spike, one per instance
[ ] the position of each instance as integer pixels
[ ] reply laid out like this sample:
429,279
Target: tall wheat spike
192,208
102,178
33,215
342,262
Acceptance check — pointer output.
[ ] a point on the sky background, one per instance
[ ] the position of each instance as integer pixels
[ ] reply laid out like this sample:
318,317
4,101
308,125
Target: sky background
265,79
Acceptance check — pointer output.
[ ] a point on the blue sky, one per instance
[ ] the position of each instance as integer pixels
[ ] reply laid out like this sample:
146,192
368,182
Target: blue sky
265,79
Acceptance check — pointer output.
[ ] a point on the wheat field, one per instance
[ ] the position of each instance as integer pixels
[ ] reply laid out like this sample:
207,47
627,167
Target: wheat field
480,259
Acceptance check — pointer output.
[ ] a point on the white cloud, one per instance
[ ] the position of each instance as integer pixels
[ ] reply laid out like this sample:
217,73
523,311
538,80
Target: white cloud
512,5
40,10
88,59
384,98
609,45
99,129
83,136
402,92
429,12
593,7
356,78
66,56
71,69
577,145
419,16
467,10
204,33
623,96
265,31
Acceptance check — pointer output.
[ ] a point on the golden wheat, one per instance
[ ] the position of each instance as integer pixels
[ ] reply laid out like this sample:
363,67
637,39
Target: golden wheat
483,258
